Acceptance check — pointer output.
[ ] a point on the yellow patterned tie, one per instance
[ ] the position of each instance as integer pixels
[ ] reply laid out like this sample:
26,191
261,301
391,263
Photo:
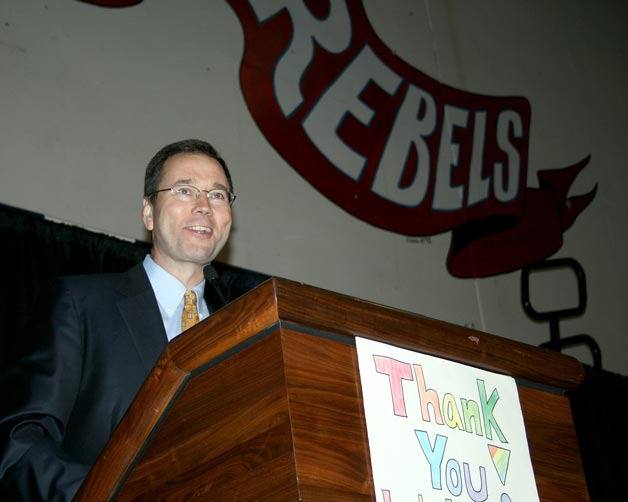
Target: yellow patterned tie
189,317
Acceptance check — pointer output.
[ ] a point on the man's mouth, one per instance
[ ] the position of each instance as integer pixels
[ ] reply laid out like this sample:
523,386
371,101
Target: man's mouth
199,229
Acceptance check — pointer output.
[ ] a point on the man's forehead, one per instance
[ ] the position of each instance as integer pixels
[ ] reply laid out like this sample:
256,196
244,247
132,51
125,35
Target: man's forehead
193,167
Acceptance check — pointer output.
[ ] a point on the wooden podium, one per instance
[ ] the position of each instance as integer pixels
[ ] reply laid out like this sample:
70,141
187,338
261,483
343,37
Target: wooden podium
262,401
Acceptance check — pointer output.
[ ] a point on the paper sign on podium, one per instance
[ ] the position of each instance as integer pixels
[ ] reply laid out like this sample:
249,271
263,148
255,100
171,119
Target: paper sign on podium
442,430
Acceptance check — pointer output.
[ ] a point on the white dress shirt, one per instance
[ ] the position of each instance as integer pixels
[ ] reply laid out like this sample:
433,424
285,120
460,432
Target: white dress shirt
169,292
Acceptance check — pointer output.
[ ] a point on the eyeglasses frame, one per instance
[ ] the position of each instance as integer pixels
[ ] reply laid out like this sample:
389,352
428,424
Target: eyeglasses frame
230,194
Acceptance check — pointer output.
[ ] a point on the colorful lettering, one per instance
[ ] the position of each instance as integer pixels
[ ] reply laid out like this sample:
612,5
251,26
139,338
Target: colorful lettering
487,412
471,411
476,495
396,371
434,455
452,416
427,397
453,485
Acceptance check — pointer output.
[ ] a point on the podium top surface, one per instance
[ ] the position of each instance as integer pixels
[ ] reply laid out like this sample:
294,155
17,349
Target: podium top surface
324,313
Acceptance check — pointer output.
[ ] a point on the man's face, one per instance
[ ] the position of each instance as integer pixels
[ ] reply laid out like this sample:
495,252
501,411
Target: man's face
187,232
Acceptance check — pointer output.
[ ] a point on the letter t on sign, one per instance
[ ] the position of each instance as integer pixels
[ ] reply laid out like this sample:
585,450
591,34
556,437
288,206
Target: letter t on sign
396,371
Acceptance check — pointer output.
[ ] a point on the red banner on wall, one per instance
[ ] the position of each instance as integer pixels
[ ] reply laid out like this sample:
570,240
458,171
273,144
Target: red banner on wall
394,147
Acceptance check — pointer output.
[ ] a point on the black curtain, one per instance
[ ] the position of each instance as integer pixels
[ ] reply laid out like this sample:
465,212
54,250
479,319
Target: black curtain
33,251
599,414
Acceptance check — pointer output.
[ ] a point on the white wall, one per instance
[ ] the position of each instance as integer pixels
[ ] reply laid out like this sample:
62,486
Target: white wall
89,94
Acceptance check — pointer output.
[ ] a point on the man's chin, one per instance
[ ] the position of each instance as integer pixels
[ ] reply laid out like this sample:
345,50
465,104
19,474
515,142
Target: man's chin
201,261
204,257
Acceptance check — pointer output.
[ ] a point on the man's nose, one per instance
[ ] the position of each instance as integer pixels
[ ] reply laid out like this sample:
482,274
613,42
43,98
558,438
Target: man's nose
202,205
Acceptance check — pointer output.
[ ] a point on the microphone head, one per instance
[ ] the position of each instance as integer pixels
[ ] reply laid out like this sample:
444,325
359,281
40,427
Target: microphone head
209,272
211,276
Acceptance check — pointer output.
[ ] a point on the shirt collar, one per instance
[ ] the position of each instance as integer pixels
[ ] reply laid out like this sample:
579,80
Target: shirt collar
168,289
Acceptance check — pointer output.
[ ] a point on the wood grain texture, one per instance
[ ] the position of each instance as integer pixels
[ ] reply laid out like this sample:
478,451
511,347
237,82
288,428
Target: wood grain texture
553,446
230,425
327,416
345,315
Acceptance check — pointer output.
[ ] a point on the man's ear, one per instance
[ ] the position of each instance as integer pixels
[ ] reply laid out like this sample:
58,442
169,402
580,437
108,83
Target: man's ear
147,214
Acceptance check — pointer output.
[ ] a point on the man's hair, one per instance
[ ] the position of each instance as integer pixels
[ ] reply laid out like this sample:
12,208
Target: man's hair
155,167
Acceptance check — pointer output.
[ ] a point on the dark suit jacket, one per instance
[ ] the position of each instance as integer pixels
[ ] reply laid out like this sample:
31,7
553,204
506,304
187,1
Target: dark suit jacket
89,350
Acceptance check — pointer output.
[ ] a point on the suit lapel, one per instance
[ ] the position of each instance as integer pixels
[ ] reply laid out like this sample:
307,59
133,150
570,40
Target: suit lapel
140,312
207,296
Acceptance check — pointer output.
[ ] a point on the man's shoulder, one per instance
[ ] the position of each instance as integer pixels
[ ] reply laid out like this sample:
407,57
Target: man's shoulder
104,282
89,280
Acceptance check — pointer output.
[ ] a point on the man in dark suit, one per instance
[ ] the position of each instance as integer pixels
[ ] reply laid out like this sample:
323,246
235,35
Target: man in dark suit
95,339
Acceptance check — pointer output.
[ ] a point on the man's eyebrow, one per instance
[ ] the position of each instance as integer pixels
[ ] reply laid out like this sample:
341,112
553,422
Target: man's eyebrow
184,181
190,181
221,186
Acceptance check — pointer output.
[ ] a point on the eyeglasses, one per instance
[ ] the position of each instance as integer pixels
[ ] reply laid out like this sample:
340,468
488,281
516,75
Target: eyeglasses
189,193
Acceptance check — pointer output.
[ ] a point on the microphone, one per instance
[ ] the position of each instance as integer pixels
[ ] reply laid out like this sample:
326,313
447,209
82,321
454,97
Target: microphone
211,276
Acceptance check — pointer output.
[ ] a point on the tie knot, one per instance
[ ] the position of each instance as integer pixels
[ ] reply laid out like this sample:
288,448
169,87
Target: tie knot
189,299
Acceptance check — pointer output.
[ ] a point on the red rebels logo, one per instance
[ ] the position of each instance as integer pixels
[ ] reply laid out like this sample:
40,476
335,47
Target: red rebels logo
394,147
